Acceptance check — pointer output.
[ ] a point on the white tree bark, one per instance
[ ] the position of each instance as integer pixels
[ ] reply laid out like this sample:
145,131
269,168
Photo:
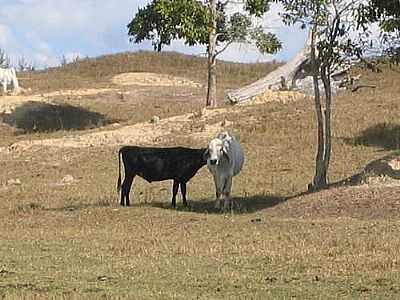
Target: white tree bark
283,78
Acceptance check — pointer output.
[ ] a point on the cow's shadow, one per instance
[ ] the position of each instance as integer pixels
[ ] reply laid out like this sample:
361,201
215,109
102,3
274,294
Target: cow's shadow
241,205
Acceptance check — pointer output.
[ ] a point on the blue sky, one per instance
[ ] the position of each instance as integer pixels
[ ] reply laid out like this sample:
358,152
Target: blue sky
42,31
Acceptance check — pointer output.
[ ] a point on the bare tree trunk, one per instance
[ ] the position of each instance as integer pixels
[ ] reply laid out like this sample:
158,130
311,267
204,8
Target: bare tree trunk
212,57
212,82
319,180
328,112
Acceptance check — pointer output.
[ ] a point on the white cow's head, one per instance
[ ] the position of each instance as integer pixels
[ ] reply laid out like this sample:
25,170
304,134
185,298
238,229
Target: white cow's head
217,148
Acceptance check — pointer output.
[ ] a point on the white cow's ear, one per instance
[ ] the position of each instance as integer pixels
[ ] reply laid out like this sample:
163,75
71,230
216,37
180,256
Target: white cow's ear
226,148
222,135
206,154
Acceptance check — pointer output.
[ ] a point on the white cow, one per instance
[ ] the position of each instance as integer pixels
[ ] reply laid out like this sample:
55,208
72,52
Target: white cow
225,160
7,77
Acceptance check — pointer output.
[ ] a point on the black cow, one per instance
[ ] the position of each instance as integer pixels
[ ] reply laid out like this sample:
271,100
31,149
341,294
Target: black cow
157,164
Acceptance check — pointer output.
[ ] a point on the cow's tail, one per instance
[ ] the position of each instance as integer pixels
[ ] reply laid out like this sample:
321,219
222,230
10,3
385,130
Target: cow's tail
119,171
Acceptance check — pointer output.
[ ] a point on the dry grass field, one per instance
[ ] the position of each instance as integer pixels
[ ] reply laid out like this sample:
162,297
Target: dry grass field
63,234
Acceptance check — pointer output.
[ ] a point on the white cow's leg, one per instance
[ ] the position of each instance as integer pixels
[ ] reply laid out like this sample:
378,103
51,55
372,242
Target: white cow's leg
227,203
219,184
227,193
217,202
218,197
4,87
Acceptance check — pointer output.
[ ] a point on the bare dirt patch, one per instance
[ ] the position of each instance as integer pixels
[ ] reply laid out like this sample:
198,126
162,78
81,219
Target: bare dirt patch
152,79
9,103
273,96
198,125
145,133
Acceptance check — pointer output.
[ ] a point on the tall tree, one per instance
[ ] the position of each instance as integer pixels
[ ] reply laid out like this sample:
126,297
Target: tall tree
205,23
329,22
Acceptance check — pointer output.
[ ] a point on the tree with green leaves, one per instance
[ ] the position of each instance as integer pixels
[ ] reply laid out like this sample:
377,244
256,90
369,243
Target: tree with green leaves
387,14
330,23
205,23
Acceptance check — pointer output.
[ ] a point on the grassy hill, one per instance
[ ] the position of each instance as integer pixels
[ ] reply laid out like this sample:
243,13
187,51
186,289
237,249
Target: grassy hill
68,238
97,72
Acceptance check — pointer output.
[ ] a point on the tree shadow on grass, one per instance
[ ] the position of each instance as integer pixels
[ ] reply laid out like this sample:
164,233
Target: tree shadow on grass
45,117
241,205
384,135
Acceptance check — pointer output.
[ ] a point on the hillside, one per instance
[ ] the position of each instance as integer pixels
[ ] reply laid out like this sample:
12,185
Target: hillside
64,234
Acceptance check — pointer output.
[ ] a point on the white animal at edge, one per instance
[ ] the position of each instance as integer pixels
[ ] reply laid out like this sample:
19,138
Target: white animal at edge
7,77
225,160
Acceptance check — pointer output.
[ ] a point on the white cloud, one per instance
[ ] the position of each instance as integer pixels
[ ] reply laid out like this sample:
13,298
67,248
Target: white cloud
5,35
44,30
47,29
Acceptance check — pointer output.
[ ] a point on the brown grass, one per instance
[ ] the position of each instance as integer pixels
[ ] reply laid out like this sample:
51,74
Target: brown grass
73,241
97,72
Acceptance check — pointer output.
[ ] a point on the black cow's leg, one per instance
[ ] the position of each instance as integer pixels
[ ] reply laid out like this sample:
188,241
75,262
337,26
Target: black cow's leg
183,192
126,188
174,192
122,203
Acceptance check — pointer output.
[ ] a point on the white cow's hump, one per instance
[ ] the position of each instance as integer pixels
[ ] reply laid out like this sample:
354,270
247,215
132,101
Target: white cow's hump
237,155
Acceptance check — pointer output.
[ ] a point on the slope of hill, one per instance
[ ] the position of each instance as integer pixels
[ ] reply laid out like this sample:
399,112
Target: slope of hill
64,235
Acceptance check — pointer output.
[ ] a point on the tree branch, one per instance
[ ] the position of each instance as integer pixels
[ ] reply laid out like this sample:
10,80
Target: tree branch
223,48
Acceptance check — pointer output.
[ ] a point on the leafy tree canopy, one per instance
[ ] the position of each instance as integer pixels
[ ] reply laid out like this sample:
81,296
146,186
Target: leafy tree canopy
162,21
165,20
386,12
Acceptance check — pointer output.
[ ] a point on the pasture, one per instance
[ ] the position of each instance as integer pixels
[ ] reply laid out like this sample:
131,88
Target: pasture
63,234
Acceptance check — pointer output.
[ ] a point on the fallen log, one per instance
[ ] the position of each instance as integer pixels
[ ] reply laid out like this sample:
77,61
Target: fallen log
283,78
295,75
